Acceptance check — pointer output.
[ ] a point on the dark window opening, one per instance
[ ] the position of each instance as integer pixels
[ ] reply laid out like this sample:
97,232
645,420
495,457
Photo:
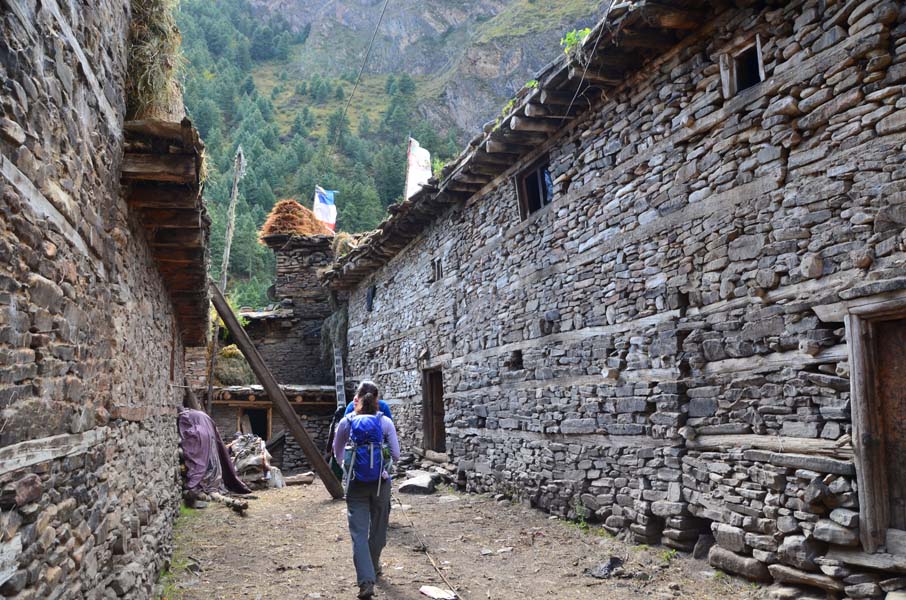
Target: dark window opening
514,361
747,69
437,270
369,298
535,188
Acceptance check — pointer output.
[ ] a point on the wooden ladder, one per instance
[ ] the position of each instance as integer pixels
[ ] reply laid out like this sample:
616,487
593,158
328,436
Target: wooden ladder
340,377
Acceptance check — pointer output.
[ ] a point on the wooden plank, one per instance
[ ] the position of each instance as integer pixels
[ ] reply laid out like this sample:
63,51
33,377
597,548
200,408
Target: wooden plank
173,168
646,39
163,196
175,237
495,147
276,395
866,446
594,76
773,443
560,98
32,452
157,128
172,218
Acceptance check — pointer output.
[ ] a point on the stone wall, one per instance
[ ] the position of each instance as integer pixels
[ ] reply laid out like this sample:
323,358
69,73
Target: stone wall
89,348
291,348
646,351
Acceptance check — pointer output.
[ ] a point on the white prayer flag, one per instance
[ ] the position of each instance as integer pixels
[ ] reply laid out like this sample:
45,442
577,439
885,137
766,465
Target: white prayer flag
418,168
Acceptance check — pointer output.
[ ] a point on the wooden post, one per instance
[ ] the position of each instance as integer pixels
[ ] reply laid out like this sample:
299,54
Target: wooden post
275,393
238,172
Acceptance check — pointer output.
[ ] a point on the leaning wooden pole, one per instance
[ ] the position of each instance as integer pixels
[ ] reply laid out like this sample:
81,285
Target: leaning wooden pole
275,393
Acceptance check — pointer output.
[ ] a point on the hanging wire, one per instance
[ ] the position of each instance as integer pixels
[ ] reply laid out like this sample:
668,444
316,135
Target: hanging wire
588,62
361,69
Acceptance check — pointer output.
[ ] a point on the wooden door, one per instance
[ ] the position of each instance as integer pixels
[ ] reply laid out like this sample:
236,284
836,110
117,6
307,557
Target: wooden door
890,389
435,436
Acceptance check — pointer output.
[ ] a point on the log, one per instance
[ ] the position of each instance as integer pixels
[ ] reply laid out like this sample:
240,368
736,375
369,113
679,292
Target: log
542,125
275,393
594,76
495,147
772,443
172,168
175,237
559,98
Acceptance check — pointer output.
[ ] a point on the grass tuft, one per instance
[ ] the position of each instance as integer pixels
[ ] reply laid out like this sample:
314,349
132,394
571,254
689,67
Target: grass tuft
154,58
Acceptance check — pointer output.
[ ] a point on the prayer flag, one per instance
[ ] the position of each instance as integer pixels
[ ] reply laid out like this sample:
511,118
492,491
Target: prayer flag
324,208
418,168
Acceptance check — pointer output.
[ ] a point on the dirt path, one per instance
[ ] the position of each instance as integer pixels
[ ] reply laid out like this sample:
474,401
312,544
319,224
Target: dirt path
293,543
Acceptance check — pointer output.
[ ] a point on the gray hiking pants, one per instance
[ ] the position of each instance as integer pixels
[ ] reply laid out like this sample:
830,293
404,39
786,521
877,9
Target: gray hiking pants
369,515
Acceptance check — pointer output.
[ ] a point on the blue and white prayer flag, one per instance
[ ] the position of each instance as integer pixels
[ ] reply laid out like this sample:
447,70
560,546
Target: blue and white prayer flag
324,208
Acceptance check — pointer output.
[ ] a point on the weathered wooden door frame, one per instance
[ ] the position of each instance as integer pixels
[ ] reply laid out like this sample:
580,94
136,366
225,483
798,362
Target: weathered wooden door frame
867,438
270,416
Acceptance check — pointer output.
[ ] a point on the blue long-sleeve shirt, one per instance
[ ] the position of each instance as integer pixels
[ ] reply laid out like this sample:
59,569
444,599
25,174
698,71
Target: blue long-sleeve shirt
342,436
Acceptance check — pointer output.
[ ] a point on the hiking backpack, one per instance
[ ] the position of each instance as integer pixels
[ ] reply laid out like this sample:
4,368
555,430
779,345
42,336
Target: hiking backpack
366,438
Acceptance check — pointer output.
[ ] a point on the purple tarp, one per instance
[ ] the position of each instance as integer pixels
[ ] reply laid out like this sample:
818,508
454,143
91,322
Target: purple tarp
208,463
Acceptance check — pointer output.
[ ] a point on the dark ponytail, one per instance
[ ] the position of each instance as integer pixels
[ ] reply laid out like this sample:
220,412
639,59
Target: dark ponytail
368,392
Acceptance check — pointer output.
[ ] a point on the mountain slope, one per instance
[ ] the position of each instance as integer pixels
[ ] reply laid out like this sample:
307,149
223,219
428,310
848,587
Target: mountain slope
469,56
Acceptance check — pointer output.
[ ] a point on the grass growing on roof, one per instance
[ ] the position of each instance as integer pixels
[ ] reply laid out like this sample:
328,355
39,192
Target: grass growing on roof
288,217
154,57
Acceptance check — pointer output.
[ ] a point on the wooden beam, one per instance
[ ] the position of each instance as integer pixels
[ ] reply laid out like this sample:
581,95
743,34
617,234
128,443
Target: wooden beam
495,147
175,254
646,39
542,125
172,168
276,395
670,17
560,97
491,170
594,76
163,196
464,177
175,237
772,443
172,218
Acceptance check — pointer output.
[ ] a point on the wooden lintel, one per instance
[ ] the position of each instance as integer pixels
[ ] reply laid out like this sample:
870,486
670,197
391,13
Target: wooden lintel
527,124
172,168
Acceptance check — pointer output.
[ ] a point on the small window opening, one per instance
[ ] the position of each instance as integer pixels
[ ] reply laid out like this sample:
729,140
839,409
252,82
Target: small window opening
742,69
534,188
514,361
747,70
369,298
437,270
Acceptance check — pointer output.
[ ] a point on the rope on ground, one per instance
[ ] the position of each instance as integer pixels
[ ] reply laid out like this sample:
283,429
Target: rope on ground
424,547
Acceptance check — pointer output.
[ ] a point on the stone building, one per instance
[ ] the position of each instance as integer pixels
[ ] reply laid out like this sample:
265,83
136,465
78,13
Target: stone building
288,337
102,286
665,290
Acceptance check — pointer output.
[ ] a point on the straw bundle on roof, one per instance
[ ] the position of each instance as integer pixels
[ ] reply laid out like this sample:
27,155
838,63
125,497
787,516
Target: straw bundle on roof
288,217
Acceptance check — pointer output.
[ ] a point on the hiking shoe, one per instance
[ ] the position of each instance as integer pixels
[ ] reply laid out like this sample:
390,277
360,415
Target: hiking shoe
366,590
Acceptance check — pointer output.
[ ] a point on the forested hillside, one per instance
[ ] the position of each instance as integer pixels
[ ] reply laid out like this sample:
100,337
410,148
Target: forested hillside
239,90
251,79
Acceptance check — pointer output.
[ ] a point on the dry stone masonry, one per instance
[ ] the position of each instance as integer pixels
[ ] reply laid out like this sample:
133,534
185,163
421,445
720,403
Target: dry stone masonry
90,347
671,346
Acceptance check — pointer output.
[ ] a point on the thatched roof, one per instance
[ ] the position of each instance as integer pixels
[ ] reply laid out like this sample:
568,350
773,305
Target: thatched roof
288,217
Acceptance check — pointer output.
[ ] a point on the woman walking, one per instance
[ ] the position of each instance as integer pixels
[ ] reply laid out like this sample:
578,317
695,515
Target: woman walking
365,468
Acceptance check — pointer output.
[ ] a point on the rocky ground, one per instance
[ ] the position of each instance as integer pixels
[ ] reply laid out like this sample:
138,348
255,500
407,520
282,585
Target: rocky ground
293,543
